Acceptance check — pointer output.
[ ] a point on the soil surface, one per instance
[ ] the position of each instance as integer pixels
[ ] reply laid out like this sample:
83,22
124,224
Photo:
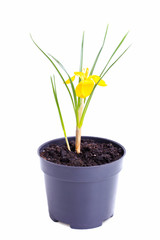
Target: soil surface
92,153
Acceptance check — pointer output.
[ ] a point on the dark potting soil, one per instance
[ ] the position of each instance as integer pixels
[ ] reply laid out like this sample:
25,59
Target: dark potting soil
92,153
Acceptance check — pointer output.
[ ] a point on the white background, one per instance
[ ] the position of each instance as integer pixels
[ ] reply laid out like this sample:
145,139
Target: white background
127,110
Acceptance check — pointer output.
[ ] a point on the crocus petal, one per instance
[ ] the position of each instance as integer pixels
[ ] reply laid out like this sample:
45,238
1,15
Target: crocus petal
80,74
84,88
96,78
72,78
86,73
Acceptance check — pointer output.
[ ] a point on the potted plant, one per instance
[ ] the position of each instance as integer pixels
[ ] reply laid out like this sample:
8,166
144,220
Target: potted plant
81,173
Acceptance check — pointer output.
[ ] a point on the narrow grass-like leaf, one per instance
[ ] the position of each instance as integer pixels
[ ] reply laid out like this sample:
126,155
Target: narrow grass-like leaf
90,96
73,89
57,103
56,70
81,58
59,110
81,65
94,64
72,86
86,107
87,104
115,61
114,53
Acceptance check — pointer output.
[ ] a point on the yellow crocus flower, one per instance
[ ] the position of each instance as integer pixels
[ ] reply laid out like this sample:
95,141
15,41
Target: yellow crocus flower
85,86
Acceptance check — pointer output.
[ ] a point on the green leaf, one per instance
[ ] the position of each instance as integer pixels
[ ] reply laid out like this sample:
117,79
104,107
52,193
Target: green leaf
87,104
81,65
56,70
90,96
59,110
94,64
72,86
86,107
81,58
115,61
57,102
114,53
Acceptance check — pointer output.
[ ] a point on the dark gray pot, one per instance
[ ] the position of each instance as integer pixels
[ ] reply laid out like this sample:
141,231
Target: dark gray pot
82,197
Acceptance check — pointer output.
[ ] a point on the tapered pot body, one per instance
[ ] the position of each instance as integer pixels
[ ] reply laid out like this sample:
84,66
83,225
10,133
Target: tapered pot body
82,197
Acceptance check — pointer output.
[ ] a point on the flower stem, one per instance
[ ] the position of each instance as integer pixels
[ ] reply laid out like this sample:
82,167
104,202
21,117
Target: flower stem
78,140
78,129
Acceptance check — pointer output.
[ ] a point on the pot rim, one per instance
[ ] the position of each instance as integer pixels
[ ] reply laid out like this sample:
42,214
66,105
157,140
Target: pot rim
81,167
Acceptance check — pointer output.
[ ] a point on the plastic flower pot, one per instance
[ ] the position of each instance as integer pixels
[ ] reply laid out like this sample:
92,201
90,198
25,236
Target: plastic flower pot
82,197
